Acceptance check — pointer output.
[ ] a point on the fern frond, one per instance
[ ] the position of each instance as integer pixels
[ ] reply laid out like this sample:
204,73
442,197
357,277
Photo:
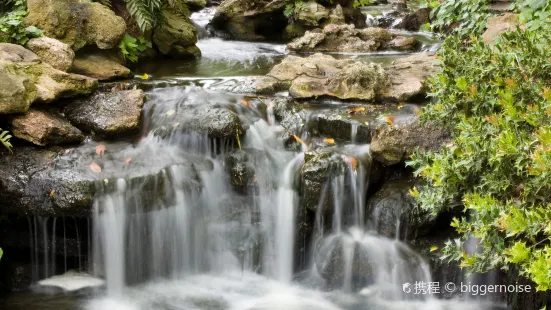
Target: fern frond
107,3
5,139
140,11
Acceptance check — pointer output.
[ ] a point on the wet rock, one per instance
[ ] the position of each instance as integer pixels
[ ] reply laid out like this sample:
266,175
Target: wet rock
323,75
241,170
45,128
25,79
356,259
250,20
53,52
409,77
57,182
176,36
100,65
107,114
216,122
414,20
77,23
392,144
325,177
498,25
346,38
337,126
195,5
394,213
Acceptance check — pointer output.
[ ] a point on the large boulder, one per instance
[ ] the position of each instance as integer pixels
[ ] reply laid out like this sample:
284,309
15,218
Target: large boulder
107,114
346,38
44,128
77,22
323,75
53,52
100,65
394,143
176,36
409,77
25,79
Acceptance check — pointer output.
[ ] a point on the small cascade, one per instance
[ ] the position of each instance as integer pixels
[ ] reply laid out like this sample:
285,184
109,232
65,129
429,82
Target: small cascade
349,255
55,246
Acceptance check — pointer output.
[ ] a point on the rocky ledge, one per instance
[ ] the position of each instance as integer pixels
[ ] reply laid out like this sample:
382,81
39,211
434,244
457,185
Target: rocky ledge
346,38
322,75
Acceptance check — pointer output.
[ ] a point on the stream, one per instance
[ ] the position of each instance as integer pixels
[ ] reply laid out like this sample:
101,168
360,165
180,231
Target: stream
187,238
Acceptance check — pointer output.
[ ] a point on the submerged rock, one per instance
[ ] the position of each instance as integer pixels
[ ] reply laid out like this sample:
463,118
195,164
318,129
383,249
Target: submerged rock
392,144
100,65
107,114
44,128
25,79
77,23
53,52
346,38
176,36
323,75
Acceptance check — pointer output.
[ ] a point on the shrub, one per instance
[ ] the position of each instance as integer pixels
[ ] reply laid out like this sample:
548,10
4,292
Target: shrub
12,29
496,100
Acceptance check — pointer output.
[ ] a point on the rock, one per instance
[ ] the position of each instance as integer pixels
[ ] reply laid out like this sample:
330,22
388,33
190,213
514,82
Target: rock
404,43
323,75
44,128
59,182
53,52
77,23
409,77
392,144
346,38
195,5
100,65
363,259
498,25
250,20
217,122
414,20
107,114
240,170
25,79
176,36
391,209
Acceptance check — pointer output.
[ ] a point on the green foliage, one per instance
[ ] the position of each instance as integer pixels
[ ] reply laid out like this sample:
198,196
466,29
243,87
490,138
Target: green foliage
132,48
496,100
536,14
1,253
466,17
5,139
147,13
12,29
358,3
293,7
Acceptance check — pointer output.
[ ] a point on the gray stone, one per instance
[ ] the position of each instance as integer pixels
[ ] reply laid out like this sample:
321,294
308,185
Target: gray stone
53,52
44,128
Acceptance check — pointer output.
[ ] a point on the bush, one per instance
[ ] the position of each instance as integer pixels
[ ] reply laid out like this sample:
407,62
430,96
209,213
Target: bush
496,100
12,29
466,17
132,48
